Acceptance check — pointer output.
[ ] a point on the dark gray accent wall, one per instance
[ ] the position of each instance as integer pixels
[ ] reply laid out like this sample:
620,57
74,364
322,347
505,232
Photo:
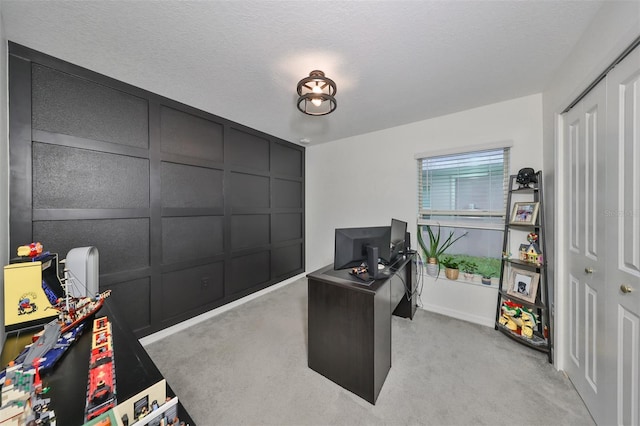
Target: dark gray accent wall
189,211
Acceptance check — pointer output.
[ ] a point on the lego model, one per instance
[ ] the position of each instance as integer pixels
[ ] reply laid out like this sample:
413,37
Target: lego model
46,340
48,347
31,250
531,252
73,310
23,401
526,177
64,342
518,319
36,350
34,292
28,291
59,334
101,387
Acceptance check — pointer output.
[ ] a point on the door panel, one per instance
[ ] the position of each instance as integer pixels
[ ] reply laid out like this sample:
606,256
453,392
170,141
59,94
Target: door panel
591,337
592,170
584,135
574,322
627,372
574,157
622,220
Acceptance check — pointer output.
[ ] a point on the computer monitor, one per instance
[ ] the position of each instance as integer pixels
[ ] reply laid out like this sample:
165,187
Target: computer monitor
351,245
398,231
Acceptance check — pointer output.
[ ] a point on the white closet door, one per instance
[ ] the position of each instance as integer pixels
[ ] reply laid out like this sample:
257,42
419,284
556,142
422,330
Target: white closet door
622,223
585,153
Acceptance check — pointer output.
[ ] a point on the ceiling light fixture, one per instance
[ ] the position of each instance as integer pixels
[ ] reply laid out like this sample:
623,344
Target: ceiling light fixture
316,94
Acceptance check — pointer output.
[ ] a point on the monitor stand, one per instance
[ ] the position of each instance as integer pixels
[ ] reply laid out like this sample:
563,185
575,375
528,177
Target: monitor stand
372,263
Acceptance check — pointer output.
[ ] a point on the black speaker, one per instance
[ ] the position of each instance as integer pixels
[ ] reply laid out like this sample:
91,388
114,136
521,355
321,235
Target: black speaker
407,242
372,262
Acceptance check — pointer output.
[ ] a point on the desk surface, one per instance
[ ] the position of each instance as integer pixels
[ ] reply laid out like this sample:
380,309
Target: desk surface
135,371
343,278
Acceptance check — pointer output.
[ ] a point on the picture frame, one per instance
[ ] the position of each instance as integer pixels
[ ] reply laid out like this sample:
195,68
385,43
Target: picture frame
523,284
524,213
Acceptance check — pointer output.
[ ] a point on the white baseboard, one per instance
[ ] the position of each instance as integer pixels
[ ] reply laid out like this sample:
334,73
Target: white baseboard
465,316
152,338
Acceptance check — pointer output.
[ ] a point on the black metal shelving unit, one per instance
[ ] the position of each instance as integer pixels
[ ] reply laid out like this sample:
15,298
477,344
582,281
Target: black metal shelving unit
542,339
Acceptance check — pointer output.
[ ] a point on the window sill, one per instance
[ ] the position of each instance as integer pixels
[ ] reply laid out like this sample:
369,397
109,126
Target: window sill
462,280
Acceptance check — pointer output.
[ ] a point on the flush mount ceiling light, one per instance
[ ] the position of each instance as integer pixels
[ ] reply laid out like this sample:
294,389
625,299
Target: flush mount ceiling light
316,94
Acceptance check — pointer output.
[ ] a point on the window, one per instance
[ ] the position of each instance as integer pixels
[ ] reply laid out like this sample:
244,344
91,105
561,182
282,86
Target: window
465,192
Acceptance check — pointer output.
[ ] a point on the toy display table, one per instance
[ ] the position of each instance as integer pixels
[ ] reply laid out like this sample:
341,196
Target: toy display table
135,371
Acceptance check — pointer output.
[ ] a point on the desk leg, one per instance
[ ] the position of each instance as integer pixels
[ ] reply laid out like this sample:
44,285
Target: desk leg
349,340
407,307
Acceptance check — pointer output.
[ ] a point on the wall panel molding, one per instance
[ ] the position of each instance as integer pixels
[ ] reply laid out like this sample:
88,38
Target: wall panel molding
189,211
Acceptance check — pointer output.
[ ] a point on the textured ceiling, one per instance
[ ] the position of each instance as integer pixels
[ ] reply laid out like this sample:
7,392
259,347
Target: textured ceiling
394,62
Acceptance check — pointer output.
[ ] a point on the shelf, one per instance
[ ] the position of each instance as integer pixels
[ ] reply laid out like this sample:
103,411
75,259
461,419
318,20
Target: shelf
523,225
529,271
525,190
525,264
537,342
516,299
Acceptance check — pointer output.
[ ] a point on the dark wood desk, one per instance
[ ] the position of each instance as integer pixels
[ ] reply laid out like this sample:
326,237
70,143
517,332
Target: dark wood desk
135,371
349,324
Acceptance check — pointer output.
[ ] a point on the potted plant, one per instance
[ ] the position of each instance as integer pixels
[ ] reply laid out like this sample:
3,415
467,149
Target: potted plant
485,271
469,268
436,248
451,267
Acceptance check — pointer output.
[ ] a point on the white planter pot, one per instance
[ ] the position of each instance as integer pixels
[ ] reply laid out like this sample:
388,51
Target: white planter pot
432,269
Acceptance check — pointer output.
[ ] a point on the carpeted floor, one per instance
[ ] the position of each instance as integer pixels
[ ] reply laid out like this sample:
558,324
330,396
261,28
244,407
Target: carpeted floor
248,366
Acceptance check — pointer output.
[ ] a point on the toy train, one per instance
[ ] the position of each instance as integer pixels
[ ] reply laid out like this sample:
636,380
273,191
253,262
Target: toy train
101,388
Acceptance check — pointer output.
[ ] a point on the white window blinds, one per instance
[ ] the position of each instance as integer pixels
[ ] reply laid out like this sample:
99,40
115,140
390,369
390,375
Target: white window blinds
464,190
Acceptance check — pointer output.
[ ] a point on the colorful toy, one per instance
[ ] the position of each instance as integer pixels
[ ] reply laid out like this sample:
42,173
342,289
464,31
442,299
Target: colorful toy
518,319
31,250
526,177
72,311
23,401
531,252
101,387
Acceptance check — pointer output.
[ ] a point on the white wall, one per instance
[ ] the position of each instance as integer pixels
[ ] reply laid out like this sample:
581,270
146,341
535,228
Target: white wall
615,26
368,179
4,169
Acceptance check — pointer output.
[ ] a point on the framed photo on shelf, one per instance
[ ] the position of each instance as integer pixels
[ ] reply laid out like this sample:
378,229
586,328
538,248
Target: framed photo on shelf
523,284
524,213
